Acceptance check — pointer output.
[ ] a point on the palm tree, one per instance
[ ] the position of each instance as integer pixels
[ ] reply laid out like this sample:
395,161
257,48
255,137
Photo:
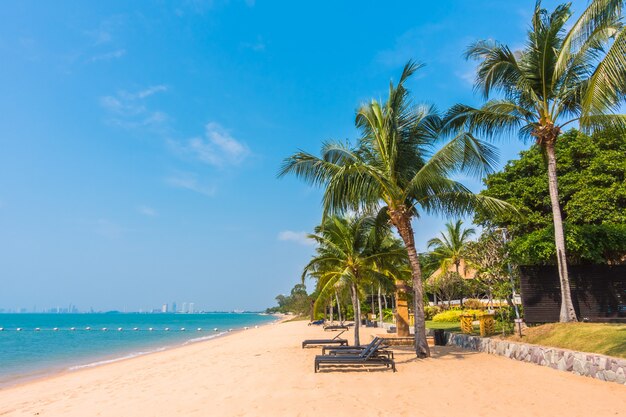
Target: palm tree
346,256
449,249
560,77
396,163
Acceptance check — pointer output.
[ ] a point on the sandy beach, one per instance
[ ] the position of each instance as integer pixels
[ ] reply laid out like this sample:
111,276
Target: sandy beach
265,372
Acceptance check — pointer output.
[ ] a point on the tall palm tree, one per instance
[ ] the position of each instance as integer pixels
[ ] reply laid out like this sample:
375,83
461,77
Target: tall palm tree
396,163
561,76
346,254
449,249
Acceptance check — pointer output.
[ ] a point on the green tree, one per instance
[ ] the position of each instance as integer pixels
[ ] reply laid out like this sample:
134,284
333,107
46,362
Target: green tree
449,249
560,77
350,254
592,183
395,162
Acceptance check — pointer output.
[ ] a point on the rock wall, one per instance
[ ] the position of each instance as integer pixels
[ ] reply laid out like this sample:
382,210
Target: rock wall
601,367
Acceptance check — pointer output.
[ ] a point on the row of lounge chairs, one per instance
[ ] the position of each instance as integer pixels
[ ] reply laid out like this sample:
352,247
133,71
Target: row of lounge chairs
337,353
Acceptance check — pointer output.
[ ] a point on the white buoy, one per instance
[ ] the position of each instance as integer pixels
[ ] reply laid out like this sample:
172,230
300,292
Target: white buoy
19,329
37,329
87,328
199,329
167,329
182,329
104,329
56,329
119,329
150,328
72,328
135,328
215,329
1,329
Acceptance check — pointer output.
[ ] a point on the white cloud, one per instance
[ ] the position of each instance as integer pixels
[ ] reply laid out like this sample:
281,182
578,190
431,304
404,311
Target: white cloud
109,55
189,181
218,147
297,237
129,109
147,211
467,77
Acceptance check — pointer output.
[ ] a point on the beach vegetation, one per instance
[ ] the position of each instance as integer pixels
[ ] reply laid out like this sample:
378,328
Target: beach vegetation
592,193
402,167
353,251
603,338
566,73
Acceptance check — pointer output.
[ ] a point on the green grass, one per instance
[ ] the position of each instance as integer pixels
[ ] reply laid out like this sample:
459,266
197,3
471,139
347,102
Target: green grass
452,326
606,339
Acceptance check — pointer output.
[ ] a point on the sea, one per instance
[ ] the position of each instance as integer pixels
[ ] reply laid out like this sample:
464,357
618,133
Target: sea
35,345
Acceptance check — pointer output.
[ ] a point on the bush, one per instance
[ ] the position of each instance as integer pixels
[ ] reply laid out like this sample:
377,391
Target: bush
473,304
431,311
453,316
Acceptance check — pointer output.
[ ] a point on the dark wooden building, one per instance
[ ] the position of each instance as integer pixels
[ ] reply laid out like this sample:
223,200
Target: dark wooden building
598,293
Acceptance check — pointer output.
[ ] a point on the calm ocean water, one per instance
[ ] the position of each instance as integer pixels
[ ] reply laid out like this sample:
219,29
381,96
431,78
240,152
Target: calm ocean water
30,353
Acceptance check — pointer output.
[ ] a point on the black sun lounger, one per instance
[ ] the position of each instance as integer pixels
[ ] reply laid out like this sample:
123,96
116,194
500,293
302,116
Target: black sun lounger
336,327
334,340
367,357
356,350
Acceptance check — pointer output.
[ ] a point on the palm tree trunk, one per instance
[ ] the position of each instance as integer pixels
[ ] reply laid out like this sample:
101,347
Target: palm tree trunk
331,310
357,314
338,307
380,309
567,307
402,222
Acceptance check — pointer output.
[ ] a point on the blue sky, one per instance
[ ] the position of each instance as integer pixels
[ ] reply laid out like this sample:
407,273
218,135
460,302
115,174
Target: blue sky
139,142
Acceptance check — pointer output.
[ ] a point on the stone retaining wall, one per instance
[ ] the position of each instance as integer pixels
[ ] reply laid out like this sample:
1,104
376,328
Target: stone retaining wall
601,367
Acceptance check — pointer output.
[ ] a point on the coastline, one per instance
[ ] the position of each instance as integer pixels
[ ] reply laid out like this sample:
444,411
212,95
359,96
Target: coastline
98,361
264,371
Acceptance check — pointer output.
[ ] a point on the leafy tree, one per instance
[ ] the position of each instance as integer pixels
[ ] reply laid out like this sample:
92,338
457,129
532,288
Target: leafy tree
592,194
396,163
561,76
494,269
297,302
449,249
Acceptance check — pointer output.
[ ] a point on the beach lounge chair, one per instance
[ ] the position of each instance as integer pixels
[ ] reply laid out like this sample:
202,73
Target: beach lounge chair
356,350
334,341
336,327
368,357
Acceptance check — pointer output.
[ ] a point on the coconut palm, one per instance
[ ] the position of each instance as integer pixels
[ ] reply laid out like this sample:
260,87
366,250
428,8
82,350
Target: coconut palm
396,164
449,249
349,255
561,76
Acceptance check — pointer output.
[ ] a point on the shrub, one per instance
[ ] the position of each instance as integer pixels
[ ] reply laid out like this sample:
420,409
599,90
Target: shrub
473,304
452,316
431,311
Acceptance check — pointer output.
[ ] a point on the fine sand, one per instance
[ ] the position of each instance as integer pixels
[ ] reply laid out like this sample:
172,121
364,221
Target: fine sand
265,372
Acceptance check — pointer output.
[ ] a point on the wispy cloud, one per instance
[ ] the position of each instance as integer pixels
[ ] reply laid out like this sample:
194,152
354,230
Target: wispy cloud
108,229
147,211
217,148
190,181
107,56
256,46
409,45
468,77
297,237
129,109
